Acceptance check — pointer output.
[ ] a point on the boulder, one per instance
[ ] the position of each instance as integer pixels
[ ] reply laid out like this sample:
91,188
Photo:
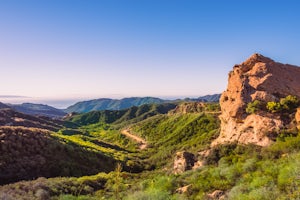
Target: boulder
216,195
184,190
297,118
183,161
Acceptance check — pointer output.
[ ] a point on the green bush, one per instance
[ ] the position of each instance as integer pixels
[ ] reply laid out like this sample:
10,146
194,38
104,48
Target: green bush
273,107
287,104
254,107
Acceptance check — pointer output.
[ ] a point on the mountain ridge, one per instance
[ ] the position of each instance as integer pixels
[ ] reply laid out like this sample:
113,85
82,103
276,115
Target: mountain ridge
124,103
38,109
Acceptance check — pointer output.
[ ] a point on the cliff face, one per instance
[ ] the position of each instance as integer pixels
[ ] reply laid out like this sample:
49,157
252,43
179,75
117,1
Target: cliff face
258,78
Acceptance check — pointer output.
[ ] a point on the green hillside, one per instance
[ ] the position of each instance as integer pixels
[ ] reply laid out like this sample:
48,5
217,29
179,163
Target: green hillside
126,116
170,133
111,104
120,104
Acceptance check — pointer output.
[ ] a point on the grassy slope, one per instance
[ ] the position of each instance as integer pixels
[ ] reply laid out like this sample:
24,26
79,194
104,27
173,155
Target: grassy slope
170,133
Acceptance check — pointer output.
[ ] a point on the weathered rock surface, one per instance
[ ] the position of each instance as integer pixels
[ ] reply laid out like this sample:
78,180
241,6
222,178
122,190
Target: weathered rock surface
188,107
184,190
216,195
183,161
258,78
297,118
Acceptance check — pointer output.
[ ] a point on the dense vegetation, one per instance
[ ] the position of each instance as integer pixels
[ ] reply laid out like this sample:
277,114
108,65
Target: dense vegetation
122,117
287,104
170,133
28,153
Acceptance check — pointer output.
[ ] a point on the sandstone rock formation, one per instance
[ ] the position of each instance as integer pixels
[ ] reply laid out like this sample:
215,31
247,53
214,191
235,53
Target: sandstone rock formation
216,195
297,117
184,190
258,78
183,161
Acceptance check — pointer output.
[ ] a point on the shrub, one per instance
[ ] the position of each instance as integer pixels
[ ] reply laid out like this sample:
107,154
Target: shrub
273,107
254,106
288,104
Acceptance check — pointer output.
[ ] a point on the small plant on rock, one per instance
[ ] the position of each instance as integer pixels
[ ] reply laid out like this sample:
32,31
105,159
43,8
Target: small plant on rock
254,107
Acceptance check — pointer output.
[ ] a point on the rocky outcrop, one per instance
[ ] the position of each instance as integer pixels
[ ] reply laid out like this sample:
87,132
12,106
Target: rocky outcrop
297,117
258,78
183,161
188,107
216,195
184,190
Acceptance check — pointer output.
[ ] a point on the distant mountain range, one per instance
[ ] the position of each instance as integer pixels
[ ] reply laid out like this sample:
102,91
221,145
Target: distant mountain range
206,98
120,104
2,105
97,105
111,104
38,109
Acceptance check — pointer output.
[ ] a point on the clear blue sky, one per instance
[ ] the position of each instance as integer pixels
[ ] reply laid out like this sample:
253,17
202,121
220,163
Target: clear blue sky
60,49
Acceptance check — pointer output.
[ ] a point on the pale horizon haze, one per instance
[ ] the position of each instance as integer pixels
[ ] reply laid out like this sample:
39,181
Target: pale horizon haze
61,51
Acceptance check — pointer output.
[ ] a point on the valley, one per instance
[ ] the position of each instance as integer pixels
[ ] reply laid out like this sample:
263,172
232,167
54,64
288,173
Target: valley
247,146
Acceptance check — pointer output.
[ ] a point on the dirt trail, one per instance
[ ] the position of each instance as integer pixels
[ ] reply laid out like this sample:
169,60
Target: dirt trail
143,143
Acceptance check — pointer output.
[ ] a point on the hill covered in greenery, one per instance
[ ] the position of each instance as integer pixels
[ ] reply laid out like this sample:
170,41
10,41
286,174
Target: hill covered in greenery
126,116
111,104
121,104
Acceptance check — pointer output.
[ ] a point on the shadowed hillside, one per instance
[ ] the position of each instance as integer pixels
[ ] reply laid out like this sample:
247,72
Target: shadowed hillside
9,117
29,153
2,105
38,109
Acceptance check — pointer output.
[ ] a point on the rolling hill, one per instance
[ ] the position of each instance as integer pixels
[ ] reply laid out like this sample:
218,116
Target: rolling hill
2,105
116,104
29,153
10,117
130,115
38,109
111,104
